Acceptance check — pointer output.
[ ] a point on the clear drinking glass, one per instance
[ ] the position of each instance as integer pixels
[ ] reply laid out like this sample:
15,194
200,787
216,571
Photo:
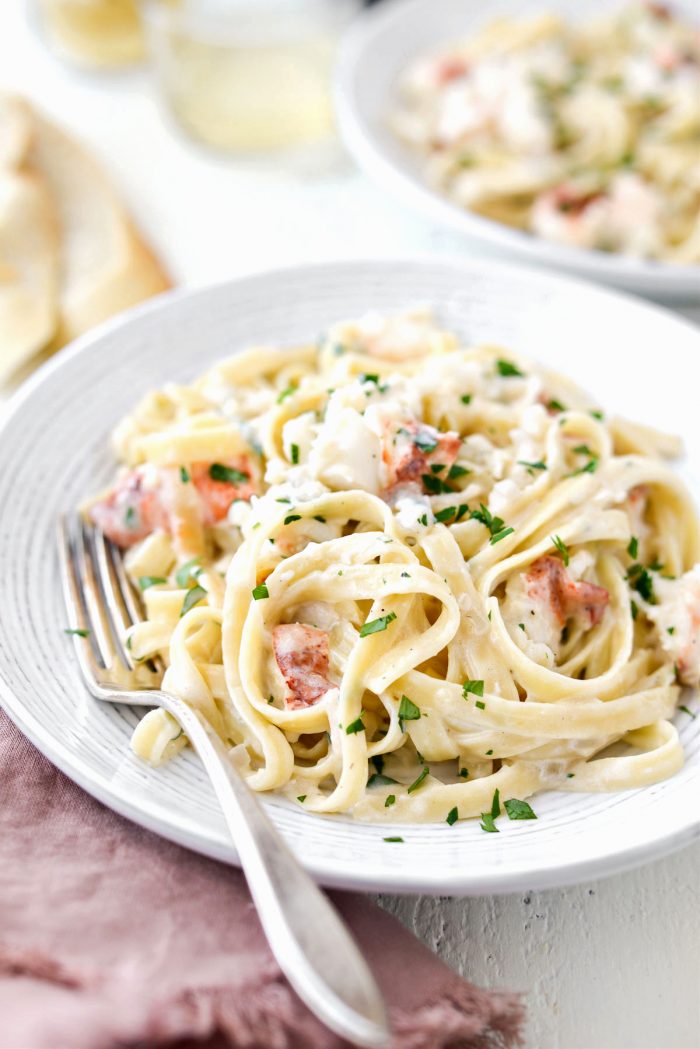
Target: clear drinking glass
248,75
96,34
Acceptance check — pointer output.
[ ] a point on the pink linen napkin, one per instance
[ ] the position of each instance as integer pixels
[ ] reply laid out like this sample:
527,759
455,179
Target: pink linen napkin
111,937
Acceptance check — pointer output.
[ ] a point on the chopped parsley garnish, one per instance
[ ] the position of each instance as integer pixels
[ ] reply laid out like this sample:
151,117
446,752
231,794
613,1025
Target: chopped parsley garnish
494,524
379,779
452,816
641,581
437,468
434,485
319,517
425,442
423,519
408,711
466,398
375,626
463,509
597,415
405,575
633,547
292,517
77,632
686,710
456,471
555,406
193,596
445,514
489,753
188,572
389,800
518,810
150,580
357,725
634,609
366,377
475,687
394,839
184,474
539,465
301,798
260,592
653,102
670,630
487,823
227,474
419,779
582,449
283,499
480,704
496,804
130,517
283,397
507,369
561,548
563,137
294,453
464,773
590,467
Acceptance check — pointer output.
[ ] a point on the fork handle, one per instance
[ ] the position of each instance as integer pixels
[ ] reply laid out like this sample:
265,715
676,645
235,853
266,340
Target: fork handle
312,945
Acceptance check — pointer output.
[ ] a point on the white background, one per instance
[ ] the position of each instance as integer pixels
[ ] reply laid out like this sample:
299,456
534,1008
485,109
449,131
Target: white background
607,965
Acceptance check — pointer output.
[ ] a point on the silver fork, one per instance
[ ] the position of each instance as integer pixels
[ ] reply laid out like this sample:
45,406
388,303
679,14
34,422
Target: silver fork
310,942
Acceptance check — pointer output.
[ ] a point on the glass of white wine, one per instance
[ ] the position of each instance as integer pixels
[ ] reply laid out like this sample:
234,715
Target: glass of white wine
95,34
248,76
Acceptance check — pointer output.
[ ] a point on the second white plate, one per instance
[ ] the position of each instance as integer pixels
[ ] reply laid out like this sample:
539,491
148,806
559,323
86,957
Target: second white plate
375,53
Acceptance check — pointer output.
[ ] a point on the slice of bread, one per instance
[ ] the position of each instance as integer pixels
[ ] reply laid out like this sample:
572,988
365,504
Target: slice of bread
29,245
105,266
15,131
29,264
69,255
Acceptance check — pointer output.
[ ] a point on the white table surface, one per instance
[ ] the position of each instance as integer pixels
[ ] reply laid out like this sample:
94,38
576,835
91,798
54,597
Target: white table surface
607,965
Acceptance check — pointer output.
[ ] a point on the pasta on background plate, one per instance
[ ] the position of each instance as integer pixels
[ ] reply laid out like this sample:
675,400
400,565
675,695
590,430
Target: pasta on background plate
587,134
396,574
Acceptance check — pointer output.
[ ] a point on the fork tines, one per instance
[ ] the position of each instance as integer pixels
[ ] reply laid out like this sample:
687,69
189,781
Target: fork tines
100,600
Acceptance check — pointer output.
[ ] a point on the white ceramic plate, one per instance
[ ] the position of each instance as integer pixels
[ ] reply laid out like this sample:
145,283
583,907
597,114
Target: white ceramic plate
54,448
376,51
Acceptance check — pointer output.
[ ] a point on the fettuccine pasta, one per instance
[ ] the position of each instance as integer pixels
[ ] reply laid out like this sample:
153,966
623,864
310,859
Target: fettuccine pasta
585,134
396,574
